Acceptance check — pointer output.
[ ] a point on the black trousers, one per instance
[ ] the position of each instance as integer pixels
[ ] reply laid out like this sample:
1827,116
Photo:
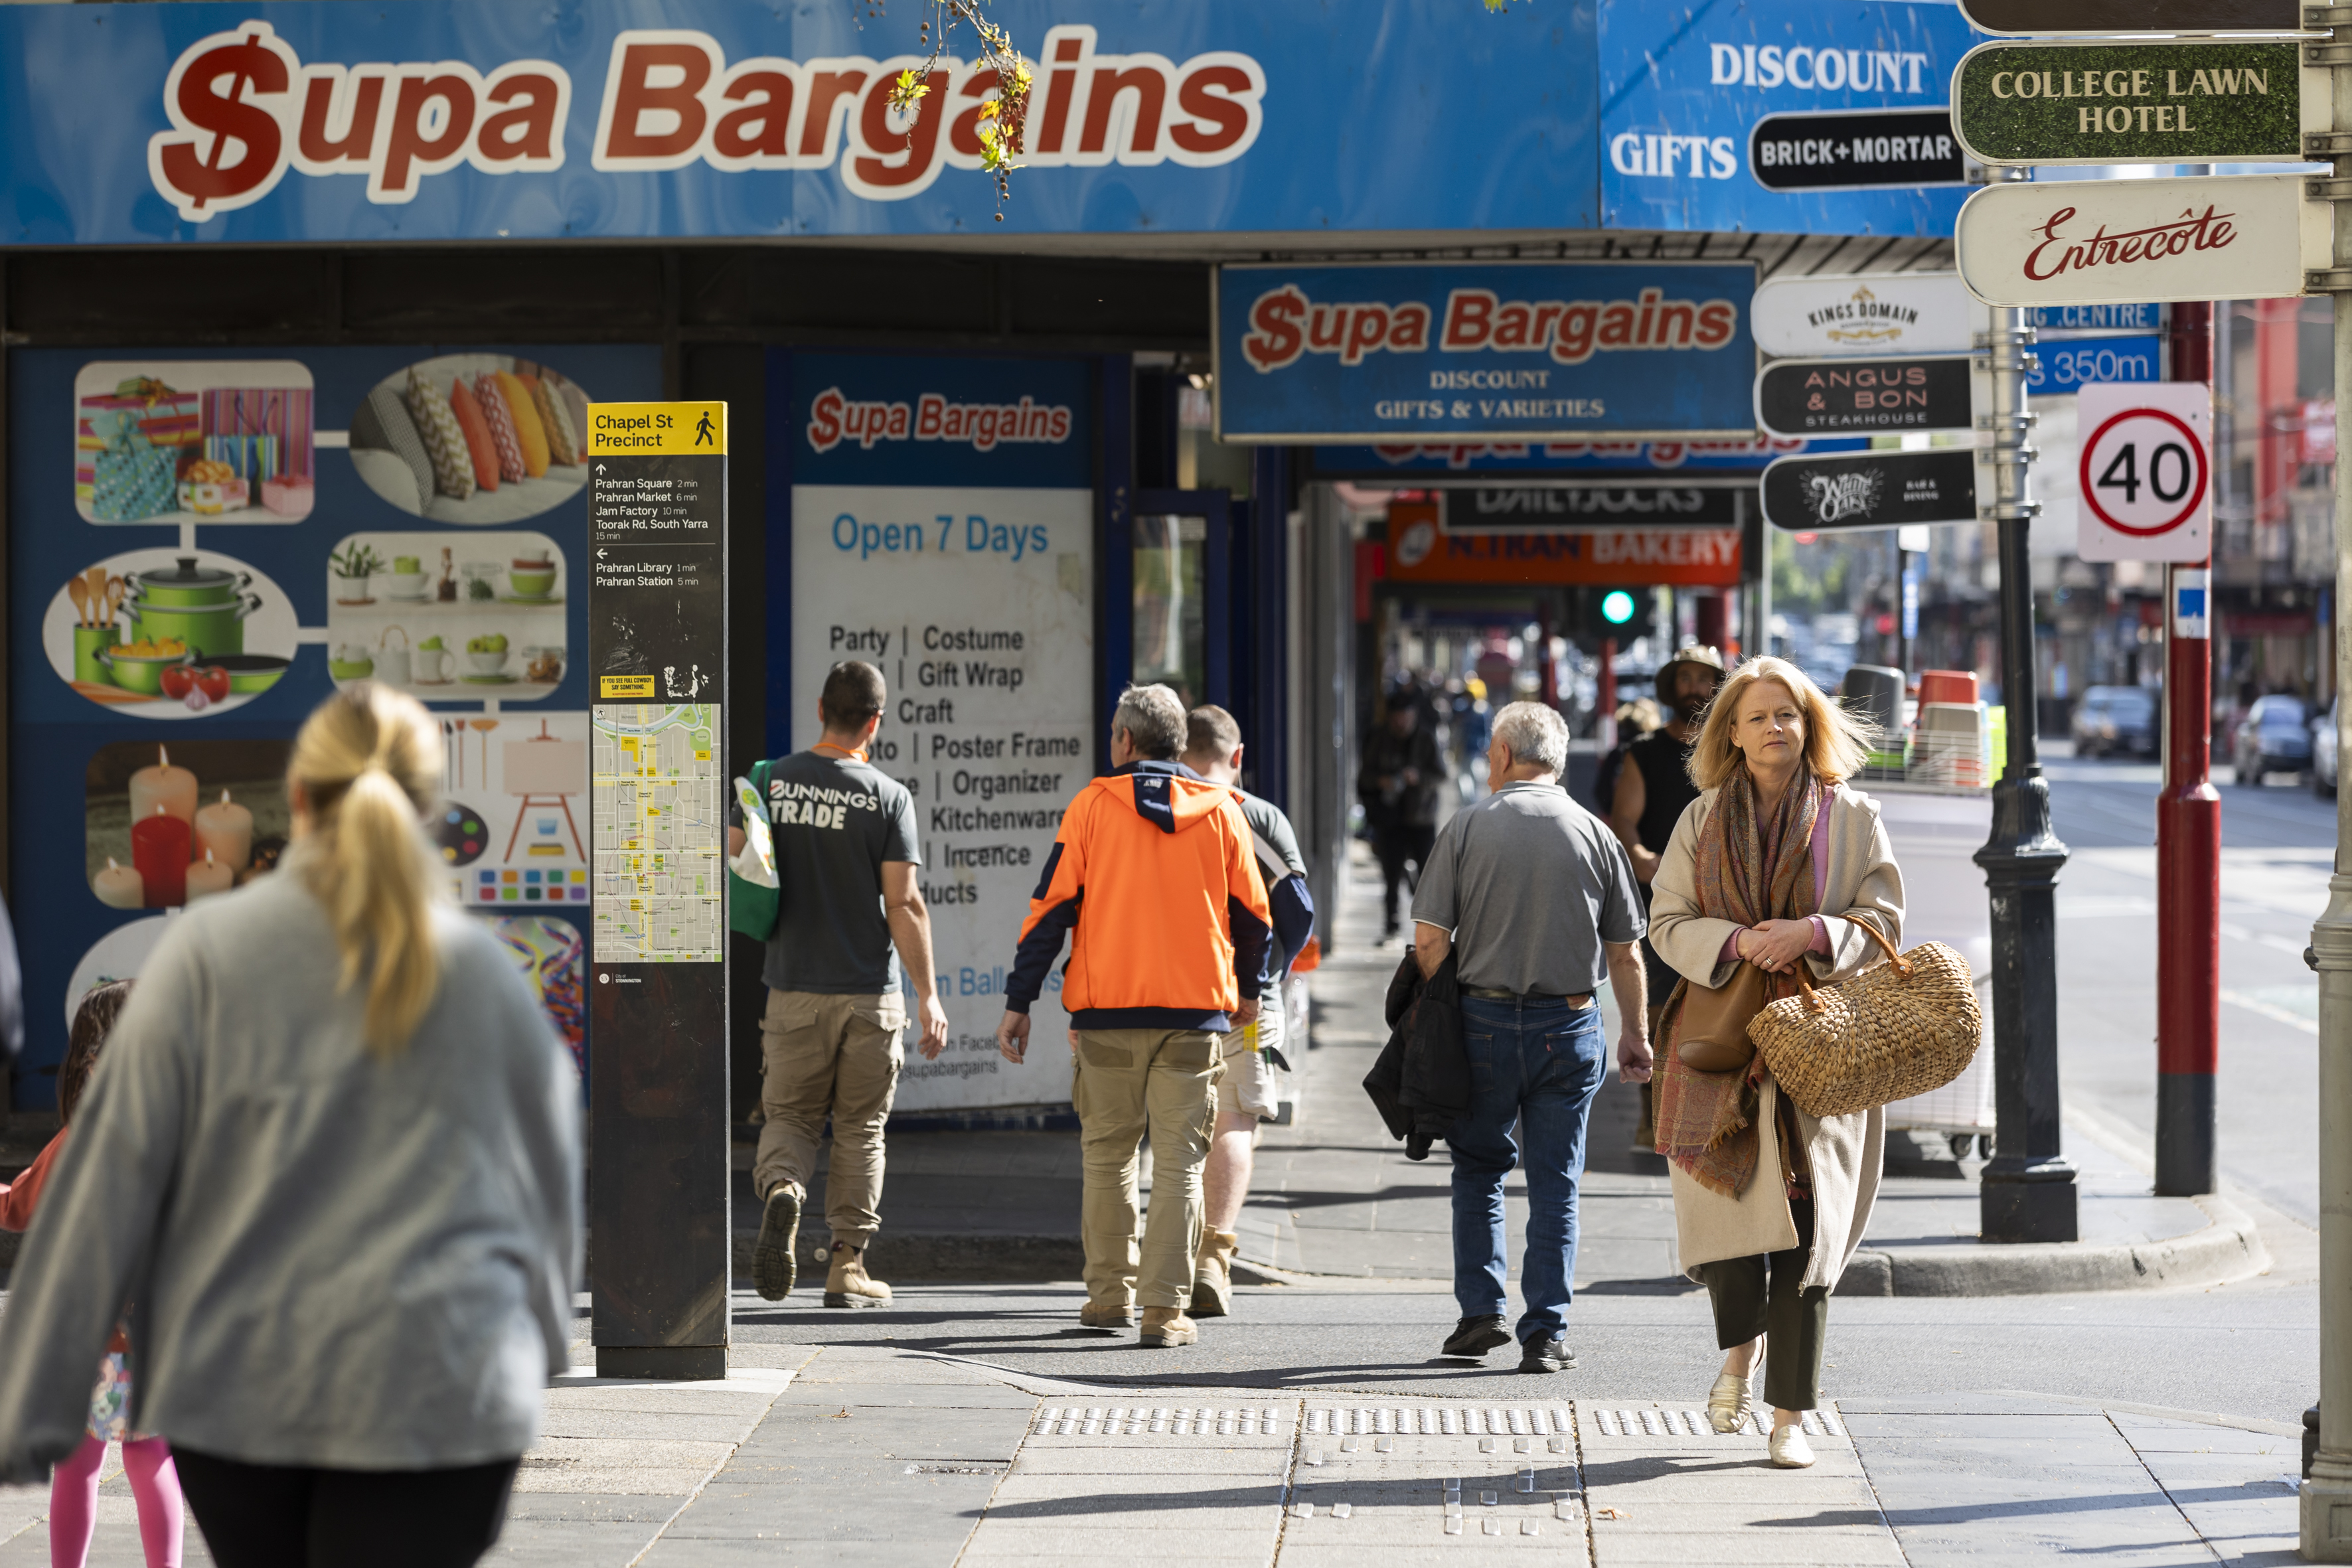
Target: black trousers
289,1516
1758,1295
1395,845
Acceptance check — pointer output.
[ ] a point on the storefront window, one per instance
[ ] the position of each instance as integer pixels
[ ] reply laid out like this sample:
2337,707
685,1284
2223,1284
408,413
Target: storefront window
1171,604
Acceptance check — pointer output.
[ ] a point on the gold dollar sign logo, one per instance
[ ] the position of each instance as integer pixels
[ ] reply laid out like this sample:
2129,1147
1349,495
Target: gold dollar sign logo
207,107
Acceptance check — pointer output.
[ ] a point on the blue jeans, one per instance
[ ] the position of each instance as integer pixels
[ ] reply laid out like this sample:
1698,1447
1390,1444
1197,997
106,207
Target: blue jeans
1534,1070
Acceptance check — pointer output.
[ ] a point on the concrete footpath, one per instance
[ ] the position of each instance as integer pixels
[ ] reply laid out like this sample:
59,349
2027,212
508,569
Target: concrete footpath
852,1456
1335,1197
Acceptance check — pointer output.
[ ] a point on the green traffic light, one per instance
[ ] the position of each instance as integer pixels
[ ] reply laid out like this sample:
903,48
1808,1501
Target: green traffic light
1617,607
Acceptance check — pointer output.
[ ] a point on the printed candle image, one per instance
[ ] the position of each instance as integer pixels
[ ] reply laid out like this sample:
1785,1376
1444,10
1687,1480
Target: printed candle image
130,790
172,789
118,887
208,876
224,830
159,849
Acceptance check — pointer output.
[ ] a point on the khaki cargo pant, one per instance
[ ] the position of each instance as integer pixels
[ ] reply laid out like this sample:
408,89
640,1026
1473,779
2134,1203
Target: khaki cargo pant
1124,1083
837,1057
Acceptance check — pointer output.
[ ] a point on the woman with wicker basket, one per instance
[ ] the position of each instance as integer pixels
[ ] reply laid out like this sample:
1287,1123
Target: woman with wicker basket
1773,872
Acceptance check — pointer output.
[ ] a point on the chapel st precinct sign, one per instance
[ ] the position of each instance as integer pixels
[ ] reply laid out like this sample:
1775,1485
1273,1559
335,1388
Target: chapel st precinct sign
1498,350
2133,103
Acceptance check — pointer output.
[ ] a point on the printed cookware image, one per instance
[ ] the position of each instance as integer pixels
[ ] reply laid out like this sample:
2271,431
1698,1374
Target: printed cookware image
202,606
140,673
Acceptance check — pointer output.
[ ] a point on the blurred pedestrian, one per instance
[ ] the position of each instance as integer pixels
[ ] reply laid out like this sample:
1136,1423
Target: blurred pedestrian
146,1459
850,911
1778,863
1531,896
1634,720
1650,797
1154,879
1398,784
1248,1093
335,1151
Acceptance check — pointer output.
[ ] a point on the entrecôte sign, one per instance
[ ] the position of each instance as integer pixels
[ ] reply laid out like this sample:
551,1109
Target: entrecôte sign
2240,237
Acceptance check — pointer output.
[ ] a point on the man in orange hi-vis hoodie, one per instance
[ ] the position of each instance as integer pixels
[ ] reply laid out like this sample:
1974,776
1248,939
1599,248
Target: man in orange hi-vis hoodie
1155,875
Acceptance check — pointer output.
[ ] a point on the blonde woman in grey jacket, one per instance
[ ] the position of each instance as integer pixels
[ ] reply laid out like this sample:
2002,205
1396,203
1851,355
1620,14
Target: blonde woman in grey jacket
330,1162
1778,863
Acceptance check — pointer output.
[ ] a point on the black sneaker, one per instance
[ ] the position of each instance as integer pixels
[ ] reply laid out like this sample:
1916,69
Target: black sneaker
1547,1355
773,1268
1473,1337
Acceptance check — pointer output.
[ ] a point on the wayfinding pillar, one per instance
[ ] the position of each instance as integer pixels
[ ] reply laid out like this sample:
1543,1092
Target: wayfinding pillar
657,1223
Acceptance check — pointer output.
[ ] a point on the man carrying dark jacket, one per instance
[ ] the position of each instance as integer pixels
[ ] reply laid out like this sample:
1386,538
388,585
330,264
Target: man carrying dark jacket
1247,1093
1154,879
1533,898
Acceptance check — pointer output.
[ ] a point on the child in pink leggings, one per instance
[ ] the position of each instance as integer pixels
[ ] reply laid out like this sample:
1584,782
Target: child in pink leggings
73,1486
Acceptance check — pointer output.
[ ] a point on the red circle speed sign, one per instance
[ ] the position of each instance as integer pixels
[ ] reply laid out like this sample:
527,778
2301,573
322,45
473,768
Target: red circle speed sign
2144,472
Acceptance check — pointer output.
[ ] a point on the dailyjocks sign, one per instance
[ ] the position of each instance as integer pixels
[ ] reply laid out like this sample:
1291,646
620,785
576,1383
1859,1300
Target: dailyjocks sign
2146,472
2087,242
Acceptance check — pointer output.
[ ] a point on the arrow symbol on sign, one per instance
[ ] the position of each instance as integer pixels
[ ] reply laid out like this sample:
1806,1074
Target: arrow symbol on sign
600,467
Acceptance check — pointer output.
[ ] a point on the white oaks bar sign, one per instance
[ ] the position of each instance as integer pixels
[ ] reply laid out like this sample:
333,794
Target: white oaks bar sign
2249,236
2209,102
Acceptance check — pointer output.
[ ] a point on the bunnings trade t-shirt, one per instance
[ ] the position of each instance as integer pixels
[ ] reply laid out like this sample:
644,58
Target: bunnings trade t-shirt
835,821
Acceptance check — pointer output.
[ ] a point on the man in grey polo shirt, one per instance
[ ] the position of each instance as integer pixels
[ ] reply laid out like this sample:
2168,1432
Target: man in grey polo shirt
1535,899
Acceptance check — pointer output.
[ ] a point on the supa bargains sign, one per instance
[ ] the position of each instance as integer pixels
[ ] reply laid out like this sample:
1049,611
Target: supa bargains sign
1497,350
339,122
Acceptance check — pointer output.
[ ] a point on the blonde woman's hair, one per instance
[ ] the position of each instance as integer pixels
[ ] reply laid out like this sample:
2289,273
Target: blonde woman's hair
368,763
1837,742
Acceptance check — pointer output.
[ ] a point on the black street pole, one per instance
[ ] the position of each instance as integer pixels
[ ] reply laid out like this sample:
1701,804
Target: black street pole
2028,1191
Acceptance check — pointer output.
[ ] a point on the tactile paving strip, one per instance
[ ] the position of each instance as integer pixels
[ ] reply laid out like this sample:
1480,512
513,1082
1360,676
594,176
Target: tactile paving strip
1446,1421
1650,1423
1159,1420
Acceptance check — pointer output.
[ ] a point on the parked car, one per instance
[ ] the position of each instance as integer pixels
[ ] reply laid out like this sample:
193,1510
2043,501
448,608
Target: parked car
2113,719
2275,737
2323,753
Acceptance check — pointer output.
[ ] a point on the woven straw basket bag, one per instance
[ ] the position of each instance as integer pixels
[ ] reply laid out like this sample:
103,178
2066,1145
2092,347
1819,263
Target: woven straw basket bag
1899,1028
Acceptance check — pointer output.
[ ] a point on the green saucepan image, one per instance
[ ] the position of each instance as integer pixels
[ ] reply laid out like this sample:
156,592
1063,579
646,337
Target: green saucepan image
140,673
250,674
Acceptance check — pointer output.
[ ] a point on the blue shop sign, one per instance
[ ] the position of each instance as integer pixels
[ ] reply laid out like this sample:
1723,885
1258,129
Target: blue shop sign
2098,318
350,123
2065,363
1491,351
1687,92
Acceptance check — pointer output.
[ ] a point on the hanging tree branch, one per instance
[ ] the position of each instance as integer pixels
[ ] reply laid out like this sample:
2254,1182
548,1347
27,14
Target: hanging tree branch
1003,119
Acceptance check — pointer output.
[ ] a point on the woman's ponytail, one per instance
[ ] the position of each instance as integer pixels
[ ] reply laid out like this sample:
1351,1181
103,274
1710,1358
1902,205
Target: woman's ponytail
366,764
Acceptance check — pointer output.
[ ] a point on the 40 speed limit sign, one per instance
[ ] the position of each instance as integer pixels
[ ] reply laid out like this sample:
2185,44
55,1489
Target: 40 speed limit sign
2146,474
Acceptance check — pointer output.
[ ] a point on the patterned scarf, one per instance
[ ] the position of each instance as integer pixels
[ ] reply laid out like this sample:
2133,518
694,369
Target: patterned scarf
1749,871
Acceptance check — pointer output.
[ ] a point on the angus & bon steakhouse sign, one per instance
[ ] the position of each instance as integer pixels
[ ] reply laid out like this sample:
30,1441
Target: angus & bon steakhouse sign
2247,237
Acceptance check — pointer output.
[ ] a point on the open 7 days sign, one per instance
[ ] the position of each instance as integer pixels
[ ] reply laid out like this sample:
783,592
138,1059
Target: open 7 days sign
2113,241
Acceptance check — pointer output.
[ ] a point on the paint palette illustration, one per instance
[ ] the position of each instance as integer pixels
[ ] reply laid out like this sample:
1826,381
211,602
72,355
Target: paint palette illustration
462,835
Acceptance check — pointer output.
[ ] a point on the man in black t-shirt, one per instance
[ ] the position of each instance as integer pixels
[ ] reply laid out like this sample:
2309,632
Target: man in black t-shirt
850,909
1653,790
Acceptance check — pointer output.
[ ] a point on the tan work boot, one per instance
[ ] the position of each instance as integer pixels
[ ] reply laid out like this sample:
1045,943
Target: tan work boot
848,1284
1118,1314
1165,1328
1213,1274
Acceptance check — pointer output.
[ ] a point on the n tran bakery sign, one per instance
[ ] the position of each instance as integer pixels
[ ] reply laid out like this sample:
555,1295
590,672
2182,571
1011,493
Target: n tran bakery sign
2117,241
245,109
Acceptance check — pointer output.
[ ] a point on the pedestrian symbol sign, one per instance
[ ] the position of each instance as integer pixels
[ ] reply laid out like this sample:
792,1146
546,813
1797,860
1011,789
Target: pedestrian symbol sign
658,429
2146,472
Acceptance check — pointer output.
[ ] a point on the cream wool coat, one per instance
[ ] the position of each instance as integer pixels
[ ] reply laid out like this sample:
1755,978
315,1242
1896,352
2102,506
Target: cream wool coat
1845,1152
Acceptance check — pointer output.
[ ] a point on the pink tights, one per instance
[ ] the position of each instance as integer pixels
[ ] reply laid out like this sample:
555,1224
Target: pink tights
73,1501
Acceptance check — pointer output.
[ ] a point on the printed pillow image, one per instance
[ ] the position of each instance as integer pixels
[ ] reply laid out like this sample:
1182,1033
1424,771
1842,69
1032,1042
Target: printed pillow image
499,439
528,433
479,442
445,442
502,430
